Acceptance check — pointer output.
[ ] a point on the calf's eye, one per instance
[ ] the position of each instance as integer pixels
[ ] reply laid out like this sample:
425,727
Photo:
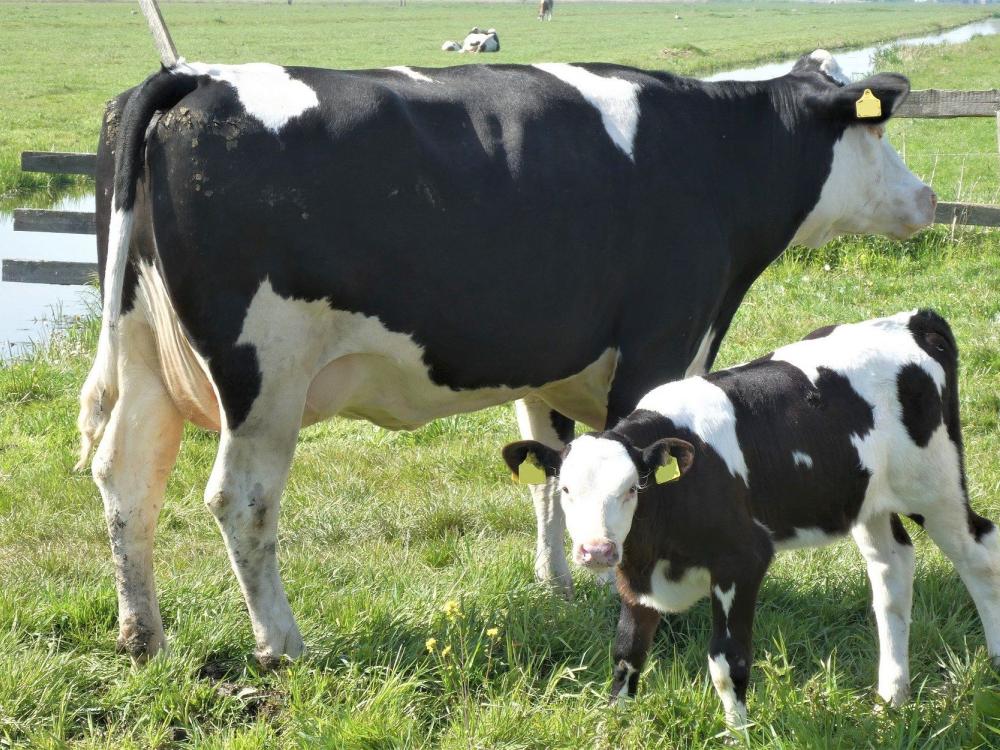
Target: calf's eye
565,490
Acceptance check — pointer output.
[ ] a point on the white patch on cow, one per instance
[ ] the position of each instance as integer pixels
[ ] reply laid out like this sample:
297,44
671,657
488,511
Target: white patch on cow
736,710
829,66
667,595
266,91
725,597
806,537
411,73
802,459
869,190
615,99
629,671
699,364
597,482
702,407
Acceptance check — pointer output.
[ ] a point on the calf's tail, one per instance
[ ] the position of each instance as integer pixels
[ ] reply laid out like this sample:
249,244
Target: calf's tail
99,394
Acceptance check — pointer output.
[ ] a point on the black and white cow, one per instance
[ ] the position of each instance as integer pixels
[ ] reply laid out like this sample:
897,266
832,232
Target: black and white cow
478,40
279,246
838,433
545,10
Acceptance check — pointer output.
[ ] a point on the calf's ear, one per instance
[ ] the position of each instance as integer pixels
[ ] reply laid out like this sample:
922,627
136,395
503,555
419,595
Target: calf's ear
868,102
668,459
528,459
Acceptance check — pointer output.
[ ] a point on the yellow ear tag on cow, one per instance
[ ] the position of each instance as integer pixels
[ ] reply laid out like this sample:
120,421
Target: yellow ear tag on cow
668,472
868,105
529,472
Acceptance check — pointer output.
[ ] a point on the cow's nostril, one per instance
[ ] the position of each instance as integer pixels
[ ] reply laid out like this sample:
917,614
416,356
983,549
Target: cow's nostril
601,553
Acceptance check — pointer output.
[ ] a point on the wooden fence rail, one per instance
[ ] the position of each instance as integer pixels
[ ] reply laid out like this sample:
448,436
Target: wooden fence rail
927,103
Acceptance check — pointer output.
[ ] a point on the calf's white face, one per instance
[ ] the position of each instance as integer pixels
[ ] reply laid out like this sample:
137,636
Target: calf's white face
869,191
598,488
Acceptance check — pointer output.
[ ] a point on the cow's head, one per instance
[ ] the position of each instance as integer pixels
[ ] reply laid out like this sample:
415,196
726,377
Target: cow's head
600,477
869,190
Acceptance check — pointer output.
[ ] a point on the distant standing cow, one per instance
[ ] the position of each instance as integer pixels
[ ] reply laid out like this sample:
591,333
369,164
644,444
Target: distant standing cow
545,10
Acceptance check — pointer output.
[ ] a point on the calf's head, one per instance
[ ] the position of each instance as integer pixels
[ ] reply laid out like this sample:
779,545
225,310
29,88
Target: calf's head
600,478
869,189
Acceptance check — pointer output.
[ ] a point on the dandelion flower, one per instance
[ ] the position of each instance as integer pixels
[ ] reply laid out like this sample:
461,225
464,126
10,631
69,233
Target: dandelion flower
445,651
431,644
493,632
451,610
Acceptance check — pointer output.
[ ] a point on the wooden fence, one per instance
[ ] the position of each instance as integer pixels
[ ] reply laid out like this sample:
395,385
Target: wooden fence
928,103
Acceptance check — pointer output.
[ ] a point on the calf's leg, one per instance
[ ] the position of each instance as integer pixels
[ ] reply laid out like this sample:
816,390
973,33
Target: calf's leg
730,653
972,543
131,466
888,553
636,628
537,421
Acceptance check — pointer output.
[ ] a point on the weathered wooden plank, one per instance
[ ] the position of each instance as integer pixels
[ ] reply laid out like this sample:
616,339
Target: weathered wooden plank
949,103
161,37
970,214
47,271
58,162
47,220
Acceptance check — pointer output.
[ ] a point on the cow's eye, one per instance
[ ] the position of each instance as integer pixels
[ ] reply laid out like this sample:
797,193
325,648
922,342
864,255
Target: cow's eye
565,490
632,490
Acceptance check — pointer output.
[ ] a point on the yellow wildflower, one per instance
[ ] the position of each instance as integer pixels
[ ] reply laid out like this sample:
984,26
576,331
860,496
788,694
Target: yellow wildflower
445,651
493,632
431,644
451,610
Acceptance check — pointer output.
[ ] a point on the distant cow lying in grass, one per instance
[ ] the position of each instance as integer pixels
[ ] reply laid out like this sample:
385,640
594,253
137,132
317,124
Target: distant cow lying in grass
839,432
476,40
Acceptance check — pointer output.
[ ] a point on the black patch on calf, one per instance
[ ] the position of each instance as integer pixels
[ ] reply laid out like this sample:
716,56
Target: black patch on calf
564,426
921,403
978,526
819,333
899,531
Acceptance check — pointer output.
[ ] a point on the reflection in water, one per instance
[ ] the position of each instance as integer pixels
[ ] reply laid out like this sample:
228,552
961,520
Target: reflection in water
29,312
858,63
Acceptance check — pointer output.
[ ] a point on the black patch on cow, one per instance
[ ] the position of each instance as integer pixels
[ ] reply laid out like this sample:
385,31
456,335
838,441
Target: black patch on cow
978,526
898,531
921,403
820,333
564,426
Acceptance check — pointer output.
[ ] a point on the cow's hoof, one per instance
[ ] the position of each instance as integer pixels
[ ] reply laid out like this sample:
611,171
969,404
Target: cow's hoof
560,585
140,642
272,658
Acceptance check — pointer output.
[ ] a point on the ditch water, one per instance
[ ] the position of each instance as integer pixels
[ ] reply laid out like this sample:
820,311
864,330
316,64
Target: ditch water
29,313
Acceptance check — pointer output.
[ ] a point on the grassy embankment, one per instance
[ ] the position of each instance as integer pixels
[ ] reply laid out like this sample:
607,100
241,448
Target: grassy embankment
379,529
62,61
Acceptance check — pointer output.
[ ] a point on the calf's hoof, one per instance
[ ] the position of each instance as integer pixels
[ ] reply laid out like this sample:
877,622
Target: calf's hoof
139,641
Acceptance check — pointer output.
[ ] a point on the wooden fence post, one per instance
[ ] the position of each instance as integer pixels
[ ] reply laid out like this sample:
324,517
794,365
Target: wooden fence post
161,37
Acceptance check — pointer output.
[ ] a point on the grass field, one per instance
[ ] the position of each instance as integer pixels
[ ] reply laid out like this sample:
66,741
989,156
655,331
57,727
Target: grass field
380,529
62,61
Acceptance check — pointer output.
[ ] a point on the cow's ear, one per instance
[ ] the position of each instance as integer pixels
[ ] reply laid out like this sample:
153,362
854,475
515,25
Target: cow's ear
868,102
531,462
667,460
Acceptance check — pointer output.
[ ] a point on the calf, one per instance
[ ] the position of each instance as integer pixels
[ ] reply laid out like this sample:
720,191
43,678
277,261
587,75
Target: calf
692,493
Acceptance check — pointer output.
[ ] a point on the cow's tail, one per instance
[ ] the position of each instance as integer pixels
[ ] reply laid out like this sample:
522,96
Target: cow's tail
159,92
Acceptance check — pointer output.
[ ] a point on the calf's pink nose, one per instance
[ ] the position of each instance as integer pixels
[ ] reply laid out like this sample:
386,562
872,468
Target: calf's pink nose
603,554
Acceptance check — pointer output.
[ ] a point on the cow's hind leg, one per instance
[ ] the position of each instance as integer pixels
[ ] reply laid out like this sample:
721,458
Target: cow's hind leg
133,461
537,421
888,552
243,494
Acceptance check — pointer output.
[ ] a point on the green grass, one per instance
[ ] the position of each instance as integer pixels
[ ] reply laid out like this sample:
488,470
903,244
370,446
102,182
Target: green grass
379,529
62,61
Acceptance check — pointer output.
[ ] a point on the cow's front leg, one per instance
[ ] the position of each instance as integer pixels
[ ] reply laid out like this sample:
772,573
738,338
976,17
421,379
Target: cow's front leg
536,420
730,652
636,628
243,494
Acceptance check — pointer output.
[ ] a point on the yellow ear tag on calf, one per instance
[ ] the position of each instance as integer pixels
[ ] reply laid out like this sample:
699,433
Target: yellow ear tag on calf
530,472
868,105
668,472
